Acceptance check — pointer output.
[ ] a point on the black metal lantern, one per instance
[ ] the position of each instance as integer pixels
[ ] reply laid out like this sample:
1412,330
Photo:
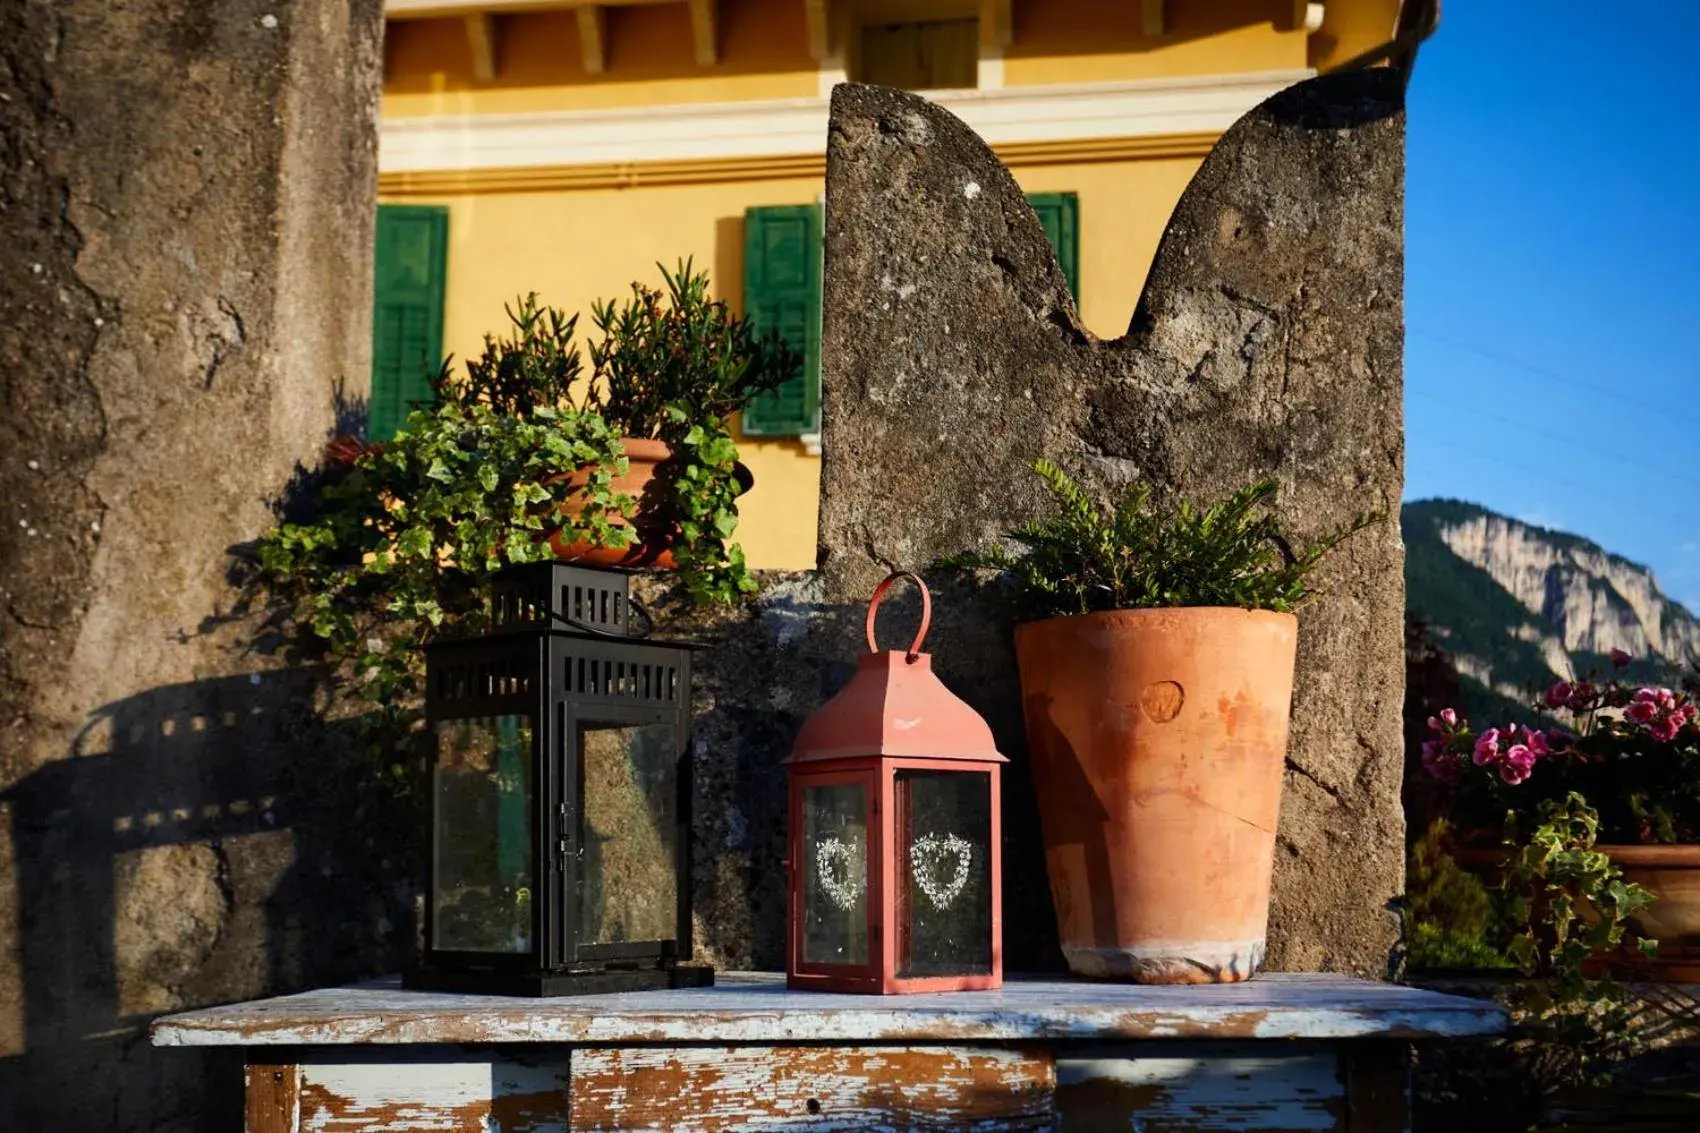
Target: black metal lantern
560,796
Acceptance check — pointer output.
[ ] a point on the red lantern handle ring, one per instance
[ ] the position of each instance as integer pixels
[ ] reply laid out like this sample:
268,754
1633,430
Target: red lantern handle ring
914,650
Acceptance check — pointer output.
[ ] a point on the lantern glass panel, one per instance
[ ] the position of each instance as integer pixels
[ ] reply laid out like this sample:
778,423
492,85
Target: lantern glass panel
628,889
482,814
835,874
944,889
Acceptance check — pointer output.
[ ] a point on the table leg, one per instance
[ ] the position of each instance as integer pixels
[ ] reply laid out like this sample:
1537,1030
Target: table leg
1378,1093
273,1091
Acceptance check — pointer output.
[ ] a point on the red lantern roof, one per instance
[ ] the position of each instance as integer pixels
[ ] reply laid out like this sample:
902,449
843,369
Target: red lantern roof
895,705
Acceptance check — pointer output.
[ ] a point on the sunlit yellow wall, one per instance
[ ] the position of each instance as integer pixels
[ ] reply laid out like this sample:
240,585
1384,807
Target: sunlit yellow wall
764,51
573,246
576,246
1086,41
763,54
1349,30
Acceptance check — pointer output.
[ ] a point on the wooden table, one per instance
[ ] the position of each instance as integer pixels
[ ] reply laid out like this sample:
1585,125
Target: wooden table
1281,1052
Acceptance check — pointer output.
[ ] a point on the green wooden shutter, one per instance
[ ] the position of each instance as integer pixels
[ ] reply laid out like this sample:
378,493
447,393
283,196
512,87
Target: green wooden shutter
782,270
1060,215
407,315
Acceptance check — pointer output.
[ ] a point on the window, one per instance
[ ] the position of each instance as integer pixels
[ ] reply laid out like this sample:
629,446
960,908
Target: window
782,272
782,291
1059,214
410,266
932,55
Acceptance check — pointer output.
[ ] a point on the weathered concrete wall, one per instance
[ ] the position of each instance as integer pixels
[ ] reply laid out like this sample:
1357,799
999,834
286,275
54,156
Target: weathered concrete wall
1267,343
185,262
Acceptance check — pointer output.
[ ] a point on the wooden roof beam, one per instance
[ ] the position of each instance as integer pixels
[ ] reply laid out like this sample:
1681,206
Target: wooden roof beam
702,32
593,38
997,23
483,38
1151,18
818,17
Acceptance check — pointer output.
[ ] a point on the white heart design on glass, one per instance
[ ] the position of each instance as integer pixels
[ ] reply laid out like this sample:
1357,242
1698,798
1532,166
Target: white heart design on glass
926,857
838,865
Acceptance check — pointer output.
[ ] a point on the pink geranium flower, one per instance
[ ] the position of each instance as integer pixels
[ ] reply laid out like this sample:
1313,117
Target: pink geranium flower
1620,658
1538,745
1449,718
1487,747
1517,765
1642,711
1558,695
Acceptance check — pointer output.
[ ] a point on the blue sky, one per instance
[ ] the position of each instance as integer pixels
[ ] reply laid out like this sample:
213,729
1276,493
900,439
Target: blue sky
1553,273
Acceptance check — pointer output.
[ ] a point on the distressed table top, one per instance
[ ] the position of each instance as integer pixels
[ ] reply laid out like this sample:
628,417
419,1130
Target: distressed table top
757,1008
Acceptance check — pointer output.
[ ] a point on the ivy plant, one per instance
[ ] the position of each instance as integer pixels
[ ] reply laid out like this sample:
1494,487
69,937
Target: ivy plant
401,535
1569,905
1085,558
674,366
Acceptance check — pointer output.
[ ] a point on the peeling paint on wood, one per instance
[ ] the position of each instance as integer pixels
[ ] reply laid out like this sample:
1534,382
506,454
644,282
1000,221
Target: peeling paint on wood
433,1092
756,1008
814,1088
1203,1086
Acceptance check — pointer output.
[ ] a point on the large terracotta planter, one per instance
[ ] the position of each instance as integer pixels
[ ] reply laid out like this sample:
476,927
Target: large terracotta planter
1158,741
1672,874
646,480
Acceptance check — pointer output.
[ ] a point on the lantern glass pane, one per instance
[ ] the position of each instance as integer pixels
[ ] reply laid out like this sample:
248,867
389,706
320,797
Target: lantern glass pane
835,874
628,873
944,888
482,841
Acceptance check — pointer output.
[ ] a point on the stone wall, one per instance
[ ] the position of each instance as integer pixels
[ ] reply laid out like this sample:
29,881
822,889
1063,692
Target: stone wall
186,219
1267,344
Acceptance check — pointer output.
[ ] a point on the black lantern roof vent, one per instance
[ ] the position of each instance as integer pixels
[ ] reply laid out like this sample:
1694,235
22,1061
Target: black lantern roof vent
562,596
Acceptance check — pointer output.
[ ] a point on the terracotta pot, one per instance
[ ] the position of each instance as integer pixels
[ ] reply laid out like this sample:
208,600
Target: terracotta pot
646,480
1158,741
1672,874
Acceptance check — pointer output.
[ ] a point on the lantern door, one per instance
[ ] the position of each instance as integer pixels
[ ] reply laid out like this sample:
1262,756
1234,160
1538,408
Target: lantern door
836,864
946,922
623,805
488,871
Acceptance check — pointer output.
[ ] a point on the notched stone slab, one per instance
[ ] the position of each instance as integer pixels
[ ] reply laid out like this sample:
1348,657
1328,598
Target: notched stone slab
1267,344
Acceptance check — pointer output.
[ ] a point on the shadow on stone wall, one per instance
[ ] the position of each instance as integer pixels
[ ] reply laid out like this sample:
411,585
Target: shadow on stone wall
766,669
220,840
205,843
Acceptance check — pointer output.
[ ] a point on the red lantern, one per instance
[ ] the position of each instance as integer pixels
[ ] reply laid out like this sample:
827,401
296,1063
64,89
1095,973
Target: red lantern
896,871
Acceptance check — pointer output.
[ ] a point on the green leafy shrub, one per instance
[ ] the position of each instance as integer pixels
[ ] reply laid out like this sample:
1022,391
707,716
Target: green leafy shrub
1449,912
1084,559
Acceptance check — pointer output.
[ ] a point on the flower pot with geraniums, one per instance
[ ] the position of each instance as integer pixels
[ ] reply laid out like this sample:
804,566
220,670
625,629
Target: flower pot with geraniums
1156,650
1631,753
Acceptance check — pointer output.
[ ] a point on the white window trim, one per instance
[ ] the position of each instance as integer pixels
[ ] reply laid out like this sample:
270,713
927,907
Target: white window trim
781,127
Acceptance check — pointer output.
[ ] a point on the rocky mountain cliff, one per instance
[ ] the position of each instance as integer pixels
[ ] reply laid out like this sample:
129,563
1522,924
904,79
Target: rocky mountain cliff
1516,605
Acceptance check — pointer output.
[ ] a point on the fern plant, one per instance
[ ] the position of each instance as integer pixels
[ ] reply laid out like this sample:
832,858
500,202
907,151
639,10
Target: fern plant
1085,559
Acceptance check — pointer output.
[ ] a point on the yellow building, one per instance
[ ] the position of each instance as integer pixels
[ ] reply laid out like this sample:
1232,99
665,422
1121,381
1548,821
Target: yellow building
567,148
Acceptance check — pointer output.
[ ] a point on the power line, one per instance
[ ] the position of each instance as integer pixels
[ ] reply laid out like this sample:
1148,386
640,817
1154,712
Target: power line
1589,444
1664,410
1668,506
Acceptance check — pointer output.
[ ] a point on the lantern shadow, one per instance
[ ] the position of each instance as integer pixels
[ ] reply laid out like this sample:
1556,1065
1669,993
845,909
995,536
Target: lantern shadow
770,669
202,843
